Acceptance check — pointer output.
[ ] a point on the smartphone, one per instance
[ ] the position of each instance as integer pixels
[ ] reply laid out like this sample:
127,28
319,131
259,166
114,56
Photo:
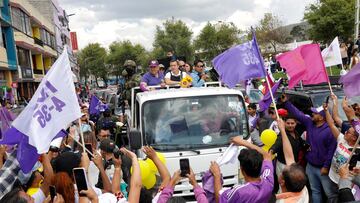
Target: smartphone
52,192
88,146
184,167
327,99
80,179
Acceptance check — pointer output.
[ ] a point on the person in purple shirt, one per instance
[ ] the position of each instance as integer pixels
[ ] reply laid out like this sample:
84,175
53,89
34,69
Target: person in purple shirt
152,78
319,156
258,171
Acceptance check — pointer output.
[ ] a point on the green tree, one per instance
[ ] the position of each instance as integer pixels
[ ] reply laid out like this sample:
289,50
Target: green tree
214,39
120,51
270,31
173,36
330,18
92,61
298,33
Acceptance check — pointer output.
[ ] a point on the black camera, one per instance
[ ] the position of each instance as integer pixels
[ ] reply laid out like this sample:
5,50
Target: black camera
117,153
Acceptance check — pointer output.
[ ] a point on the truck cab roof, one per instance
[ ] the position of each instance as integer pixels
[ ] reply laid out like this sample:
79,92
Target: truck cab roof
185,92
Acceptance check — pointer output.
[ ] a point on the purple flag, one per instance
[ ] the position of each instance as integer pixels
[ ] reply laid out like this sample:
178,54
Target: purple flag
6,117
27,154
94,107
266,101
351,82
240,63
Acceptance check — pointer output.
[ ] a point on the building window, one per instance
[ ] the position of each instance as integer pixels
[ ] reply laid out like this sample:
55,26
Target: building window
23,57
21,21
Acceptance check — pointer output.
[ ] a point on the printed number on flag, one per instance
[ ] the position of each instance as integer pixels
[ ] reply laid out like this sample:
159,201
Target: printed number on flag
43,110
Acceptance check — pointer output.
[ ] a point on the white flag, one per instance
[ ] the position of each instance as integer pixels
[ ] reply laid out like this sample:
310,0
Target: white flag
53,106
331,55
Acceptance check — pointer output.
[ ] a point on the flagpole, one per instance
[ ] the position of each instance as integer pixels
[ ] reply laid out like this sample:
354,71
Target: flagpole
82,136
328,79
266,74
88,151
272,98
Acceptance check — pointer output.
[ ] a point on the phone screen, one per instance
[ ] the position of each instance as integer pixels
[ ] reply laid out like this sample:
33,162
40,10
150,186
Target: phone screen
80,179
184,167
88,146
52,192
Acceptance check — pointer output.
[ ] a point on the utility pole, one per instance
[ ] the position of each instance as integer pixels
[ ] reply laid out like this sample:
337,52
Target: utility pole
357,10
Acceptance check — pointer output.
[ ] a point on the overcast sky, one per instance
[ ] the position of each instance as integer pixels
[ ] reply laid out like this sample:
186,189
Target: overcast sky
105,21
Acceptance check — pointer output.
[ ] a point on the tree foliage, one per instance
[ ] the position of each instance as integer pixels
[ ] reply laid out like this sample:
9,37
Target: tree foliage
214,39
173,36
330,18
271,31
92,61
298,33
120,51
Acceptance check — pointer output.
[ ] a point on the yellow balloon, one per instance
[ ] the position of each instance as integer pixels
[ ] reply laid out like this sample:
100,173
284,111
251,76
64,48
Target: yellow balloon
144,169
161,157
266,148
150,181
152,165
268,137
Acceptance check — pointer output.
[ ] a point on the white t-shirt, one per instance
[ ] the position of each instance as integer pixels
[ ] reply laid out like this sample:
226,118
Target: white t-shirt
274,127
39,196
251,119
168,75
341,155
110,198
97,191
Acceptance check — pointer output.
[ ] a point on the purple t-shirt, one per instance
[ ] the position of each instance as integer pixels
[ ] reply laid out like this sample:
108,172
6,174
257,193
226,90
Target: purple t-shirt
252,192
152,80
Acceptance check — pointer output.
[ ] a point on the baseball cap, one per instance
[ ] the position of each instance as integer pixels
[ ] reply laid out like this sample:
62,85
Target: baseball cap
282,112
153,63
107,145
318,110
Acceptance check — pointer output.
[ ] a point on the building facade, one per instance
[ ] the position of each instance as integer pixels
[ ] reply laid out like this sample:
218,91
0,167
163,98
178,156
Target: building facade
8,63
35,45
53,11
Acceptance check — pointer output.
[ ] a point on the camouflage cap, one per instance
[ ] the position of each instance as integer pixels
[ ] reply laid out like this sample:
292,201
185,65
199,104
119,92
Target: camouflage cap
130,63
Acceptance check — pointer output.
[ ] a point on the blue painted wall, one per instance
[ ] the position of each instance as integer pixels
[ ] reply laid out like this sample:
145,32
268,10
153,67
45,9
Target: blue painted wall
9,35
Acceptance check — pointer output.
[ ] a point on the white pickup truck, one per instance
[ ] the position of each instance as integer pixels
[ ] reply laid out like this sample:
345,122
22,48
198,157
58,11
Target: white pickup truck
192,123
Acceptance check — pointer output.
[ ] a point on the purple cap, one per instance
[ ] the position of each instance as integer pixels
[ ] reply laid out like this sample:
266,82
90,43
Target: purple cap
319,110
153,63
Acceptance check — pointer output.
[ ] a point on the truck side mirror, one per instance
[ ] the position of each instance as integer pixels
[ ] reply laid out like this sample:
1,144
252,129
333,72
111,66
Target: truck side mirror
135,139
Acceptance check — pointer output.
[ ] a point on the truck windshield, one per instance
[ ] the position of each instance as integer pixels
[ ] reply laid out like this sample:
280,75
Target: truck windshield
193,122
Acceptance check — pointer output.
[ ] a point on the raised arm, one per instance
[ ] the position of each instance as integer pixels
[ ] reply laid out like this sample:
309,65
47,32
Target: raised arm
237,140
350,113
117,175
300,116
105,179
135,180
164,173
215,170
335,110
287,148
48,173
334,130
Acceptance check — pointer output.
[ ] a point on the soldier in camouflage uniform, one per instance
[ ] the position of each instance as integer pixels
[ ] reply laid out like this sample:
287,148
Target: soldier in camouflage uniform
132,79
